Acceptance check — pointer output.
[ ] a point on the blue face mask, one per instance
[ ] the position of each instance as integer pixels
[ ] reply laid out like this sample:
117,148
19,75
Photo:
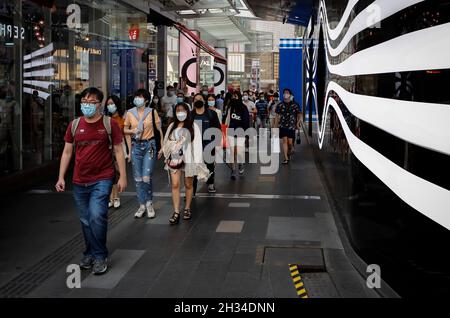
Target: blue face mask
88,110
112,108
139,102
180,100
211,103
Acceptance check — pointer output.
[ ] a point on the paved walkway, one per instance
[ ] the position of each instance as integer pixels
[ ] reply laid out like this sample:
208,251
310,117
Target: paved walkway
239,243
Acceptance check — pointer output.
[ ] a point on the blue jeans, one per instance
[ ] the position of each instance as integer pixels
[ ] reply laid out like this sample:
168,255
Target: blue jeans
143,158
92,204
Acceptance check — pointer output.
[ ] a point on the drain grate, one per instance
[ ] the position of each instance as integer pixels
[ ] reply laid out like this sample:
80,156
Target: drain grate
34,276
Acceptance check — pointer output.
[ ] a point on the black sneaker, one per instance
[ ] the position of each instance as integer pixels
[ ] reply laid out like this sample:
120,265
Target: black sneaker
212,188
100,267
86,262
233,175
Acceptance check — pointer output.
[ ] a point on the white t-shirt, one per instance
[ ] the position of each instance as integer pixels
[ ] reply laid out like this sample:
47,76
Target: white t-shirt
167,104
250,106
219,113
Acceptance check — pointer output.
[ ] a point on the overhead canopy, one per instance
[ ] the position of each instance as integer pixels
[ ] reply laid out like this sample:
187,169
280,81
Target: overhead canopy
294,12
223,29
218,58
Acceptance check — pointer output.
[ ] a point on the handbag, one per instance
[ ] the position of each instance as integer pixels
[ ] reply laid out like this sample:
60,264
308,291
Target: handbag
156,133
298,138
176,163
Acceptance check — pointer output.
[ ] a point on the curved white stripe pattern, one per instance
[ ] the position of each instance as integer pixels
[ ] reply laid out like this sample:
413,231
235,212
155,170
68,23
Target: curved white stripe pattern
429,199
400,118
372,15
420,50
334,33
425,49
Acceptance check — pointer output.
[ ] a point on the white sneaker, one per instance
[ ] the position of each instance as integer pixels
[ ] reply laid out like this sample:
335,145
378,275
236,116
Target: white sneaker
116,203
110,204
150,210
140,212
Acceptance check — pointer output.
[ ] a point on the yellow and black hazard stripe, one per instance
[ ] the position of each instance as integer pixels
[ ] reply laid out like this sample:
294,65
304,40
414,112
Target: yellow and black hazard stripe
297,278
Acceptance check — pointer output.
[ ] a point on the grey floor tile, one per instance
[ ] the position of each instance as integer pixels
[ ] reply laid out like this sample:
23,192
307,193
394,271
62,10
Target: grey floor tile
230,227
121,262
239,285
293,228
281,281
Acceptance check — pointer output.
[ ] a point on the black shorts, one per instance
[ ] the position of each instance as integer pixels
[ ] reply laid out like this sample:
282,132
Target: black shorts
284,132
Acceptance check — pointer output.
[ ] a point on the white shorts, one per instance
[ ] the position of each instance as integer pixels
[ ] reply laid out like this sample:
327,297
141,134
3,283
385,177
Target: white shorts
235,141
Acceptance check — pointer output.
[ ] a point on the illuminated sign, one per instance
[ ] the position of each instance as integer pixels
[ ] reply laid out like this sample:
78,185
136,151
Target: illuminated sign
91,51
12,31
134,34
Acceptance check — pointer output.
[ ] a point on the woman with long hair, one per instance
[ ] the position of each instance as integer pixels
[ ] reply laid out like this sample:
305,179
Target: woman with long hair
183,151
143,130
113,108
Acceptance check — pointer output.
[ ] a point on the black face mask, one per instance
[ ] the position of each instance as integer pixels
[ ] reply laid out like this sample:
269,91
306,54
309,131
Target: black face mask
199,104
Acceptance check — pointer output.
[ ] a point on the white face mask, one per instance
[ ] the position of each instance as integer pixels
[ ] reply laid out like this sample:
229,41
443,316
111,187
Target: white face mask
287,97
245,98
181,116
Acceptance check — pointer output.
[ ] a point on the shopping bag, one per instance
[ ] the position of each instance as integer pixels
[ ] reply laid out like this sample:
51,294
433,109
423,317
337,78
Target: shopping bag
298,138
224,128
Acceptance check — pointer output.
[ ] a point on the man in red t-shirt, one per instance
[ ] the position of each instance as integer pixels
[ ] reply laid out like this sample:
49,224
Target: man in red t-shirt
93,175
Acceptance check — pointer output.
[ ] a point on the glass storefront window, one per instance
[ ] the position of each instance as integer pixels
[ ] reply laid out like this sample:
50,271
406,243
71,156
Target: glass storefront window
172,56
48,57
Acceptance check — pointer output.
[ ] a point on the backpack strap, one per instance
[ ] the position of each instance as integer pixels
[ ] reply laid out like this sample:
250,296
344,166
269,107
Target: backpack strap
75,124
107,124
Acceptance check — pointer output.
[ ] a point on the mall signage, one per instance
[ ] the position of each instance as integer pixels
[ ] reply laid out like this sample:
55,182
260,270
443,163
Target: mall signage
12,31
134,34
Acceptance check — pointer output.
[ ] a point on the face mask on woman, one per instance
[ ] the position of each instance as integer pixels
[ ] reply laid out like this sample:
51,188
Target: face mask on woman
139,101
181,116
211,103
287,97
88,110
112,108
180,100
245,98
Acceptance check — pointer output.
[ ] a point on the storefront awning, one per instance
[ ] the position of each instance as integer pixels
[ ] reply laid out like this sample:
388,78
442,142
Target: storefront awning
218,58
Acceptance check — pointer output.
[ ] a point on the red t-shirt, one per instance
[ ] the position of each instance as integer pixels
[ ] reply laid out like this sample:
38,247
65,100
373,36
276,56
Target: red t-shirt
93,158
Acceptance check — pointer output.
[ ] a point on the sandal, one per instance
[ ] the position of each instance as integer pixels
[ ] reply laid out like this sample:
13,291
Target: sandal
187,214
175,219
285,162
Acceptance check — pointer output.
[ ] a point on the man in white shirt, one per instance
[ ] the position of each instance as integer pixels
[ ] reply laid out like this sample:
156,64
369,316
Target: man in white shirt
250,106
168,102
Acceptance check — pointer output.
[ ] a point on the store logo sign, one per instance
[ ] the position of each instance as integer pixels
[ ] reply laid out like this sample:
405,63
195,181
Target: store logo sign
134,34
91,51
12,31
74,16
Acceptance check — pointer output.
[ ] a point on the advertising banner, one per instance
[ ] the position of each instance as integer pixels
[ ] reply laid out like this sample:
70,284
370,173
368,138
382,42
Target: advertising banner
189,62
220,72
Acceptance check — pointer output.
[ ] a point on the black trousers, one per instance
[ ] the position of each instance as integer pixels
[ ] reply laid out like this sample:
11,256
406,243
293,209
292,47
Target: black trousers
211,167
